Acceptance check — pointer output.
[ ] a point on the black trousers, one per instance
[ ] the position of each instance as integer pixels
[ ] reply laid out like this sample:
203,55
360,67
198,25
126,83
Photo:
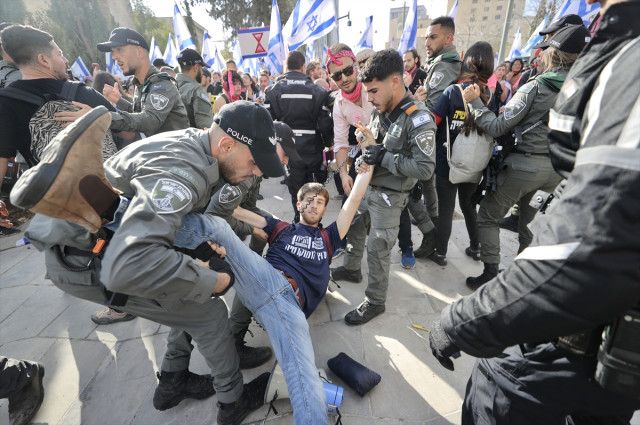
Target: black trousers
446,204
541,385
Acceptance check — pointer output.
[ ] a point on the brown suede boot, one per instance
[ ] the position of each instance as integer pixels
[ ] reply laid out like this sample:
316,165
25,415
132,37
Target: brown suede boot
69,183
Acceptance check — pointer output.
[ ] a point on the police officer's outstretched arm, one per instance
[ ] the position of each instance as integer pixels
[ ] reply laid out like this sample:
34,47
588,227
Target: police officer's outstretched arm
514,111
158,103
581,270
141,260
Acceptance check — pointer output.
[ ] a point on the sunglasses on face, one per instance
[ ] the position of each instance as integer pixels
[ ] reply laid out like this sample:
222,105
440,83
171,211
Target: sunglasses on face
347,72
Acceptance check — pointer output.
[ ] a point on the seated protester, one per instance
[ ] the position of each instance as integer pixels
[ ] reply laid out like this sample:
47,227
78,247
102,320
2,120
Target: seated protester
301,251
450,111
231,89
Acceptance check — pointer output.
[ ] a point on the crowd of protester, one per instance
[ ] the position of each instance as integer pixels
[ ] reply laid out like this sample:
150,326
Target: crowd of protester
414,108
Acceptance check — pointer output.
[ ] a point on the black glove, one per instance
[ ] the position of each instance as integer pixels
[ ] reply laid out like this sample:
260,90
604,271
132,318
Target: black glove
441,346
373,155
220,266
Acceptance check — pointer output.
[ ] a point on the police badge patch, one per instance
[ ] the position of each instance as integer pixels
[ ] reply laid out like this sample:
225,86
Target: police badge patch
436,78
170,196
158,101
229,193
513,108
426,142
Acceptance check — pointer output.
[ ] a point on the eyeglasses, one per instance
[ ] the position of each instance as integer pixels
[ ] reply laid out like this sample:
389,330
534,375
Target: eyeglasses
347,72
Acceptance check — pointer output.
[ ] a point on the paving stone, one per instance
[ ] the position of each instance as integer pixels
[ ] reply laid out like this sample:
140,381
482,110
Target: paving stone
12,298
25,271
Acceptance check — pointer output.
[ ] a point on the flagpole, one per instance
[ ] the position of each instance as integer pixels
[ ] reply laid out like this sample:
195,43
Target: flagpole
505,30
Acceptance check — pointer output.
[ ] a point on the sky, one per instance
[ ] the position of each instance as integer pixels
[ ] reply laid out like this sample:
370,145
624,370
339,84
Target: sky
348,35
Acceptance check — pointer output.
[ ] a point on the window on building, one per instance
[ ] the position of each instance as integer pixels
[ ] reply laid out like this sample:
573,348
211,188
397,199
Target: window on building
498,7
473,10
484,18
486,9
474,1
498,17
472,19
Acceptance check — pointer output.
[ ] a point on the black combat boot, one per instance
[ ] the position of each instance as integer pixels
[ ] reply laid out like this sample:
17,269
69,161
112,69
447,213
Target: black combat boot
250,357
24,404
490,271
176,386
510,223
427,246
252,397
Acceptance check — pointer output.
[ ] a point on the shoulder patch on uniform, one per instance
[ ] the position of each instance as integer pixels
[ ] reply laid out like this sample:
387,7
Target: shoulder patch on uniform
229,193
158,101
170,196
426,142
513,109
526,88
420,119
436,78
569,89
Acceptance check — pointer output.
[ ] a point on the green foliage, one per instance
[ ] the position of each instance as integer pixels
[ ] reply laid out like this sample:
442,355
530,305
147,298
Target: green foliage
13,11
150,26
237,14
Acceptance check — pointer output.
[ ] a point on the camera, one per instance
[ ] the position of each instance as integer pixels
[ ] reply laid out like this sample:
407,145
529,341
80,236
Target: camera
618,368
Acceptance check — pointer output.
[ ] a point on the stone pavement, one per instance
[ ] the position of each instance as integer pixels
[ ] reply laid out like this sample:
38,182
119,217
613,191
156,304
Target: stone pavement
106,374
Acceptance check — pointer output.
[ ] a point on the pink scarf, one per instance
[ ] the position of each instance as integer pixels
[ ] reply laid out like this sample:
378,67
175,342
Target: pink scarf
354,95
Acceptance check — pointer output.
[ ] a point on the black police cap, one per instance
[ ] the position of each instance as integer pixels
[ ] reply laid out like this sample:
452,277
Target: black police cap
122,37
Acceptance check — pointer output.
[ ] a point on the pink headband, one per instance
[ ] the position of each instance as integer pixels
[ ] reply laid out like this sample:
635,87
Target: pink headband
334,58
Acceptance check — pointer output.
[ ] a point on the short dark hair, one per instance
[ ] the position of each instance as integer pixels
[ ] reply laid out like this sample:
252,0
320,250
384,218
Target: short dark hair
382,65
311,66
230,61
24,43
206,72
445,22
219,75
478,62
295,60
414,51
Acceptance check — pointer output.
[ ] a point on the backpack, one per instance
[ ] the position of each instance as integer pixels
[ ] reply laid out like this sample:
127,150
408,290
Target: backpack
469,155
282,224
42,125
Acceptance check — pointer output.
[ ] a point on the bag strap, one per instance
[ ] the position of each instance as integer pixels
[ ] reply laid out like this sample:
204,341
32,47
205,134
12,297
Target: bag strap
276,231
23,95
325,238
69,90
448,141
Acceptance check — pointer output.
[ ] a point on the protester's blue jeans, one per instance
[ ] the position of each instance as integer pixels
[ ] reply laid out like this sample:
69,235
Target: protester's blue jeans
270,297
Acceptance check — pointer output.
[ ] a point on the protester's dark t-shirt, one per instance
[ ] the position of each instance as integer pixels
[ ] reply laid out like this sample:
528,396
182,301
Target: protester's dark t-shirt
300,252
418,80
216,88
450,105
14,124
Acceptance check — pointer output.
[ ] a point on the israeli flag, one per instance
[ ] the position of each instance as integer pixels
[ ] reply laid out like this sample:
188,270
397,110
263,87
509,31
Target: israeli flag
275,55
408,39
237,54
206,50
580,8
310,20
220,62
79,70
515,47
454,11
311,51
112,66
171,52
325,49
367,35
154,51
183,37
535,37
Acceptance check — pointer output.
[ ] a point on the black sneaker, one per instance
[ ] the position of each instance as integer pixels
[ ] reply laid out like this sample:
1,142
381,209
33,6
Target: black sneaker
439,259
252,397
490,271
24,404
340,273
473,253
250,357
510,223
365,312
176,386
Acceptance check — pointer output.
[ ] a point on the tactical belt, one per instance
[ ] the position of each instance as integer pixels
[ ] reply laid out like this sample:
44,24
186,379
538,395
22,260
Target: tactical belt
382,188
294,285
529,153
112,299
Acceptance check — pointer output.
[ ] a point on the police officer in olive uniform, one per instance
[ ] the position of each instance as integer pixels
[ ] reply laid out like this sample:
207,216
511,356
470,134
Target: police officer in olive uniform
404,154
156,106
193,95
528,167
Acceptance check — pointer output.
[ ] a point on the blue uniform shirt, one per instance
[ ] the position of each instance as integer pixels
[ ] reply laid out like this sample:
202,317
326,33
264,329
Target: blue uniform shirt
300,252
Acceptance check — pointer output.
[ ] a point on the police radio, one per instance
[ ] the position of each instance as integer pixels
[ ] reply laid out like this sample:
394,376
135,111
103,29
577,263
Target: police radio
618,368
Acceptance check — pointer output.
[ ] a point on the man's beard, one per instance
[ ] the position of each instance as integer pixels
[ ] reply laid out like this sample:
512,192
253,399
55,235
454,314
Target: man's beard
130,71
228,172
199,77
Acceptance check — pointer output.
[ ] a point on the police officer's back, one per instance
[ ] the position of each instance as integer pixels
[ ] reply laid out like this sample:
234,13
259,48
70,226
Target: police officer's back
156,106
193,95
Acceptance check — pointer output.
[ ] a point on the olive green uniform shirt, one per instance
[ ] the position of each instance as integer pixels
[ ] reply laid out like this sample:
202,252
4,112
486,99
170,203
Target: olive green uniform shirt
196,101
443,71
